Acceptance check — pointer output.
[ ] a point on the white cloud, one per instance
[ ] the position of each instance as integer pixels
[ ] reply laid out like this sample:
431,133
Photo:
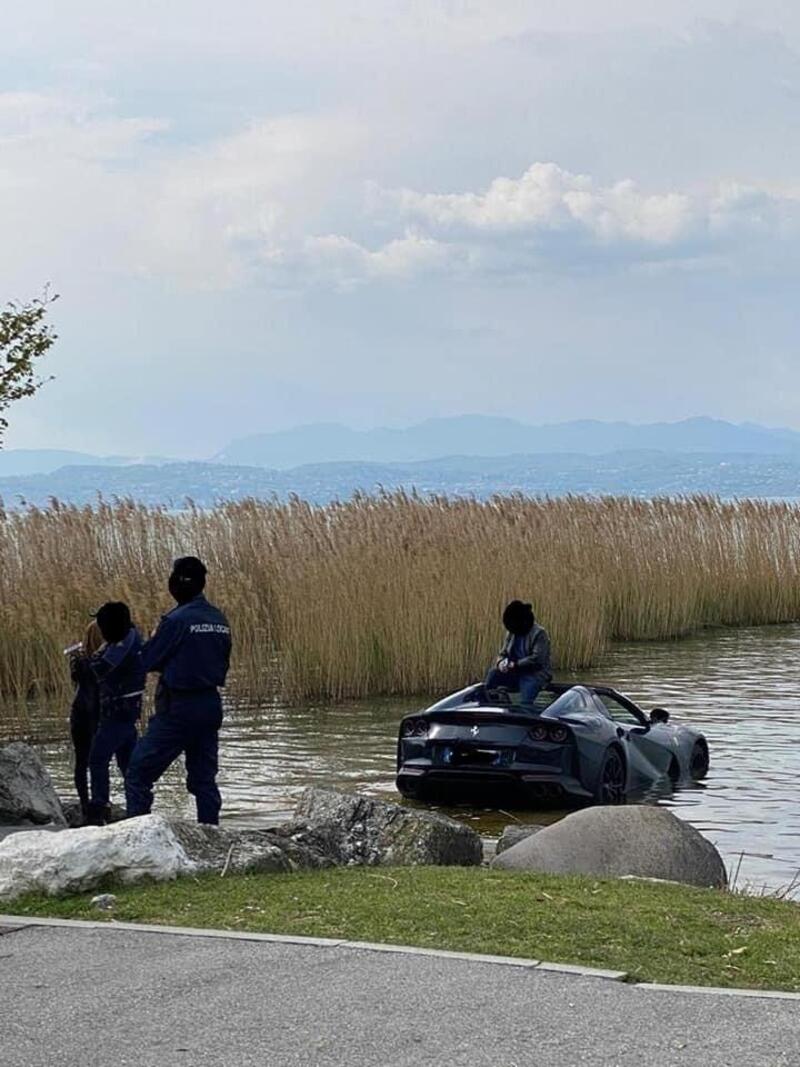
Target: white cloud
216,213
343,262
282,202
47,126
550,200
550,218
77,178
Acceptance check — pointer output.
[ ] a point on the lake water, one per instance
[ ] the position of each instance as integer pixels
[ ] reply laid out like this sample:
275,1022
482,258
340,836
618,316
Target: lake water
738,686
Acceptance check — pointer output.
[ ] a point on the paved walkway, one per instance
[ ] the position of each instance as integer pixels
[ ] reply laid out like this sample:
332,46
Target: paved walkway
88,997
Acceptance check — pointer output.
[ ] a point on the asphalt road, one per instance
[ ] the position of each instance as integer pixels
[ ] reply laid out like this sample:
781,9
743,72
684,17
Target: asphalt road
117,998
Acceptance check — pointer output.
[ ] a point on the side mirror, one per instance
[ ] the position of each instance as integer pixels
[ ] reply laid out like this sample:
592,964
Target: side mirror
659,715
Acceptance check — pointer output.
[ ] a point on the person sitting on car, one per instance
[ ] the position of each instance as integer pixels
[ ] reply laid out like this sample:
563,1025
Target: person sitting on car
523,664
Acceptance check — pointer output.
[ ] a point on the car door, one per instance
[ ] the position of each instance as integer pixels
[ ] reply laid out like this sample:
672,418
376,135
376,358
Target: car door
648,756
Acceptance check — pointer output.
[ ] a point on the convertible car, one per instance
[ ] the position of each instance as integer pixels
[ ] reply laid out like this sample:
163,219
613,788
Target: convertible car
578,744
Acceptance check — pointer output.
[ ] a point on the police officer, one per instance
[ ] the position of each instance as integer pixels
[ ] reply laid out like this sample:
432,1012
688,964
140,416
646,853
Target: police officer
120,675
190,651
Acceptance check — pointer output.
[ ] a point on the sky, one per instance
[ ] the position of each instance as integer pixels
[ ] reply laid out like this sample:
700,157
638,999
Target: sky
259,214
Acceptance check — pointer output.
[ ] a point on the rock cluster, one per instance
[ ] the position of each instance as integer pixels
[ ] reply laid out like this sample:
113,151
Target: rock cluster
330,829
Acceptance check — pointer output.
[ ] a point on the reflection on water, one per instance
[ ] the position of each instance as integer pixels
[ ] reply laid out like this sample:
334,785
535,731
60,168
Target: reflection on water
737,686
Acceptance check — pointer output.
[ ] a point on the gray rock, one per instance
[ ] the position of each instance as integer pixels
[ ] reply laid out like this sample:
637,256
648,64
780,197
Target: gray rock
78,860
26,792
235,851
104,902
611,842
353,829
512,835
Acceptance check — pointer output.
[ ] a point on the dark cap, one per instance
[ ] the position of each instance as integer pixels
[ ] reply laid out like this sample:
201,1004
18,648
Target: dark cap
189,569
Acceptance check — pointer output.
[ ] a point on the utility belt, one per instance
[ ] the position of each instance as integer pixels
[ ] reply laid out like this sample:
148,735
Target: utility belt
184,690
123,707
168,696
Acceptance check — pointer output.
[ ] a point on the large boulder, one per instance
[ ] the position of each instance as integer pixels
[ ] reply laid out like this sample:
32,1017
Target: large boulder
217,848
612,842
27,795
75,860
353,829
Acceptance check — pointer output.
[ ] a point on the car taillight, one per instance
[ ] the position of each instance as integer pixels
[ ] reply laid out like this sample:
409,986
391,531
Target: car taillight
415,728
549,732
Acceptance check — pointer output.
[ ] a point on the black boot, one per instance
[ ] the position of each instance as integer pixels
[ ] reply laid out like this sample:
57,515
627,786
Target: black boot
97,814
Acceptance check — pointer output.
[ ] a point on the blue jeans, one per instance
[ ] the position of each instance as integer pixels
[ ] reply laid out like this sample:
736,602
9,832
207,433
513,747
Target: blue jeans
527,685
111,739
188,726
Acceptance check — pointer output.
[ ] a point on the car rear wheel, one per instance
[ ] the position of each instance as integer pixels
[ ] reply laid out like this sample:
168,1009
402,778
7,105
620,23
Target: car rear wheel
611,784
698,764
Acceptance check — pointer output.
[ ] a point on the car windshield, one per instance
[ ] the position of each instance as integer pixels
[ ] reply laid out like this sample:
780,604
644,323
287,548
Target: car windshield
510,699
573,702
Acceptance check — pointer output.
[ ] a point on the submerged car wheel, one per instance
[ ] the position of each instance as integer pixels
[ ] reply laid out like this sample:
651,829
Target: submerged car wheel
611,785
698,764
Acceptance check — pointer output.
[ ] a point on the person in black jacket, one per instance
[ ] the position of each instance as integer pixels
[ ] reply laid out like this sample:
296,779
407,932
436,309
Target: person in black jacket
85,711
523,664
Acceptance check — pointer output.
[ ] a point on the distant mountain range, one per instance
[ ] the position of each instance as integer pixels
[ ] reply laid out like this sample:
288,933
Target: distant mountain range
472,455
481,435
638,473
467,435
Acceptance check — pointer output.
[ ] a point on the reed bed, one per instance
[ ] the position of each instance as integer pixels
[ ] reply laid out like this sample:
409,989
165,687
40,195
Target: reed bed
395,593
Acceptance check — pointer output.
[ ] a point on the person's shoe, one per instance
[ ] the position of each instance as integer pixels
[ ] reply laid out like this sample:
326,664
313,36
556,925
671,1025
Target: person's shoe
97,815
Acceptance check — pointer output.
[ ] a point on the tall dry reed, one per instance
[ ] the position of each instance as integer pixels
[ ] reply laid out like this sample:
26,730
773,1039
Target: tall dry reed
396,594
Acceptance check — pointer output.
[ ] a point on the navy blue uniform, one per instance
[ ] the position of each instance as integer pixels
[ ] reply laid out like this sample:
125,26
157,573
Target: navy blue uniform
120,676
191,651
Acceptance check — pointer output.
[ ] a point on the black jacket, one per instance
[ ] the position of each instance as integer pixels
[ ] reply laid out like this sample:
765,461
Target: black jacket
86,702
537,652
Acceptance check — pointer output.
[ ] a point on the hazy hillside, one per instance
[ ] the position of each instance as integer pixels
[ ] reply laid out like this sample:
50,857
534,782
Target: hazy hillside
467,435
635,473
479,435
15,462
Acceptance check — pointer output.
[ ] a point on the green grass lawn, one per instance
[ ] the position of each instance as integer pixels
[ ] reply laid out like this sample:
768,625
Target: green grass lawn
654,932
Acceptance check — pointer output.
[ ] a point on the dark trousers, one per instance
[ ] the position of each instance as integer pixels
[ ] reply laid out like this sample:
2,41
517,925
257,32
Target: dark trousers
111,739
82,727
526,684
187,726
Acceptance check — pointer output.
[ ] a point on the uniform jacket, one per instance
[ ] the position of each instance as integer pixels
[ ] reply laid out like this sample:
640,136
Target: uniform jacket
537,651
120,676
191,649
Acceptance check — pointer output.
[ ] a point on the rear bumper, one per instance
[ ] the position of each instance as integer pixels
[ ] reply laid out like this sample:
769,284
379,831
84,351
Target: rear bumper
445,783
